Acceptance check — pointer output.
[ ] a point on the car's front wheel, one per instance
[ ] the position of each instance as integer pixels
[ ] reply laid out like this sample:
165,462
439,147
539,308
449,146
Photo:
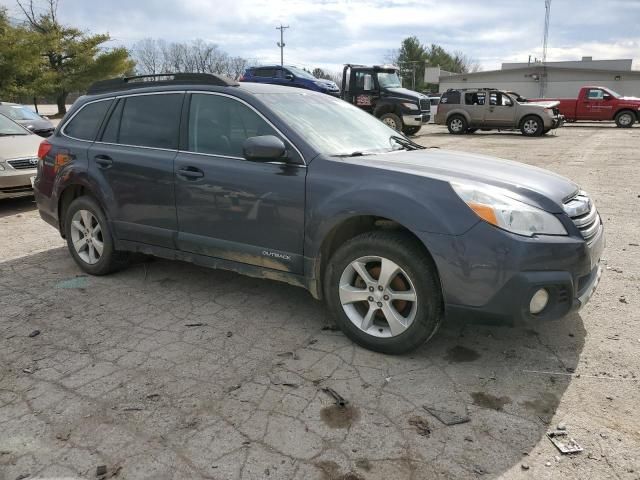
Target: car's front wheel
532,126
89,238
383,289
392,120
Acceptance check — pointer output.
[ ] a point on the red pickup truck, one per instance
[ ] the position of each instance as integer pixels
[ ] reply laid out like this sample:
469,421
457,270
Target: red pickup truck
599,103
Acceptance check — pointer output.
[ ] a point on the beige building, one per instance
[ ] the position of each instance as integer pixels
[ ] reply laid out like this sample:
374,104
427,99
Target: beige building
553,79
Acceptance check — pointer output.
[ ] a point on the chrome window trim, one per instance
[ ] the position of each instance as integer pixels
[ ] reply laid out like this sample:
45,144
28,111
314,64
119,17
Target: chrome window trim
137,146
62,129
221,94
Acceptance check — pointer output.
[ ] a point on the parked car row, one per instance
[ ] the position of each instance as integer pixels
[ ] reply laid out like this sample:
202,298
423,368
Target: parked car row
18,159
38,124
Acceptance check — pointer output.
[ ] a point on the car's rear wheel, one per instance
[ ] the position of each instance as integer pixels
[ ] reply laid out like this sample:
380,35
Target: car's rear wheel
392,120
625,119
532,126
383,289
457,125
89,238
411,130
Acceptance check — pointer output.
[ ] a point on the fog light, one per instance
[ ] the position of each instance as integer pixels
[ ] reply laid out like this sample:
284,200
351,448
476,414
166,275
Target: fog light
539,301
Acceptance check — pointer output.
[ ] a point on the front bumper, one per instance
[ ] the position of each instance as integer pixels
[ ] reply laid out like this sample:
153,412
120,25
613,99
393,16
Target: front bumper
416,120
557,121
16,183
491,274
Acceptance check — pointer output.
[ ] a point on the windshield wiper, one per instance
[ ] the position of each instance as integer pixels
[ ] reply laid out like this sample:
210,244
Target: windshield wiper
352,154
406,143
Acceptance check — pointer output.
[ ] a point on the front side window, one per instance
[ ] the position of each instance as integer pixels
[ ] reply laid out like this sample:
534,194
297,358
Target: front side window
451,97
151,121
85,124
595,94
264,72
219,125
389,80
330,125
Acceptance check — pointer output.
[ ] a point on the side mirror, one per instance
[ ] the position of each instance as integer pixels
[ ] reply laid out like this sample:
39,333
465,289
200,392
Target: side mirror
368,83
288,76
44,117
607,96
264,148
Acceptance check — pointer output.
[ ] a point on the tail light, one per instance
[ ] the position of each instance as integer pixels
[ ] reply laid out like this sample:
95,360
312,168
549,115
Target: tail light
44,149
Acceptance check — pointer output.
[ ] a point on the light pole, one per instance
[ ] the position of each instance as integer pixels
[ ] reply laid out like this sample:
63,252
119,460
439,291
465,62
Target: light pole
282,28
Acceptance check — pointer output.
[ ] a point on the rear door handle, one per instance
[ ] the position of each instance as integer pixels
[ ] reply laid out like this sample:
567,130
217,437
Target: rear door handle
103,161
191,173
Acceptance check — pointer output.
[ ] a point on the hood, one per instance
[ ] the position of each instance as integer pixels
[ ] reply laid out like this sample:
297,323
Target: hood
630,99
531,185
38,124
405,93
327,84
545,104
19,146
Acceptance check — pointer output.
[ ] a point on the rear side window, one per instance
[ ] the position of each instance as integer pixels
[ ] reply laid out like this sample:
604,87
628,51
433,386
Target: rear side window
85,124
264,72
148,121
452,97
474,98
219,125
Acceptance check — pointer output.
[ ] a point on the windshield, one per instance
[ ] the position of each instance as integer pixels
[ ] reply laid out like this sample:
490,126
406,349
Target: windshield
298,72
389,80
18,112
612,93
330,125
7,127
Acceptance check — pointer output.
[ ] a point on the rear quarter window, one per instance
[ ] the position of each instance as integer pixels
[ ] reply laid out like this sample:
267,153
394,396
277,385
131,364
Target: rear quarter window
452,97
86,123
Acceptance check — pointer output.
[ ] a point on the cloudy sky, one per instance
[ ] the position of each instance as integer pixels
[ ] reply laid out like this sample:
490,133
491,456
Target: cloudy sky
328,33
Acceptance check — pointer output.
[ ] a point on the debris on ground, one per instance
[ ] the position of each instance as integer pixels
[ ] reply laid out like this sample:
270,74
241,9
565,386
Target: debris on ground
623,299
23,476
194,324
233,387
564,443
421,425
29,370
292,355
339,399
281,379
63,436
561,426
313,341
330,328
447,416
525,466
35,333
73,283
153,396
229,334
101,470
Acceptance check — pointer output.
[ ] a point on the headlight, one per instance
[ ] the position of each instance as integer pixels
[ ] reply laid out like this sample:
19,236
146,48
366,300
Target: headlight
494,207
322,85
410,106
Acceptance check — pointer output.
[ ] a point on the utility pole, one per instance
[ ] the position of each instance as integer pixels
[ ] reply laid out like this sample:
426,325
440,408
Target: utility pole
282,28
545,41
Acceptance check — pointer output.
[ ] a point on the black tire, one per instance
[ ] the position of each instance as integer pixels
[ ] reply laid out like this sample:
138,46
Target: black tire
625,119
472,130
410,256
411,130
532,126
110,259
392,120
457,124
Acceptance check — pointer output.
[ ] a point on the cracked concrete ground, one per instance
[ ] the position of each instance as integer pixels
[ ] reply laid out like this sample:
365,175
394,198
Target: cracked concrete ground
171,371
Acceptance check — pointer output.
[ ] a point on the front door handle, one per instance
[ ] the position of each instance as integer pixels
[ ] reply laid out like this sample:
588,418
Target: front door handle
191,173
103,161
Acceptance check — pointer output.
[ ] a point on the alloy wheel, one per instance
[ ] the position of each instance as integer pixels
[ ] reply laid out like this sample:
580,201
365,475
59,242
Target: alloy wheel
86,236
530,126
390,122
625,119
456,125
378,296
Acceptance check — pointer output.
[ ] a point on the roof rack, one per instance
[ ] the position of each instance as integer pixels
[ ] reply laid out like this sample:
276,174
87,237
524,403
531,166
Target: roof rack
142,81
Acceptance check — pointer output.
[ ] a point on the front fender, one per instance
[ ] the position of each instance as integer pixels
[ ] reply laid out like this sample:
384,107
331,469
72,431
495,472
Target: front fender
339,191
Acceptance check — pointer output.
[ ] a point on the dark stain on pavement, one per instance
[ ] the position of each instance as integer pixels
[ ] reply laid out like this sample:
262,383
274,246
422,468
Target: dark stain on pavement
331,471
336,416
486,400
460,354
545,403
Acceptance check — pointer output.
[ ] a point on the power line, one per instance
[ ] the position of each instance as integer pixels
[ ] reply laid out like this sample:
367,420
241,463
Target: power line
281,44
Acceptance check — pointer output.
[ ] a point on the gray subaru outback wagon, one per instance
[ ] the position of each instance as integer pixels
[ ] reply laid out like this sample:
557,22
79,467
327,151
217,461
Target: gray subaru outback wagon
301,187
